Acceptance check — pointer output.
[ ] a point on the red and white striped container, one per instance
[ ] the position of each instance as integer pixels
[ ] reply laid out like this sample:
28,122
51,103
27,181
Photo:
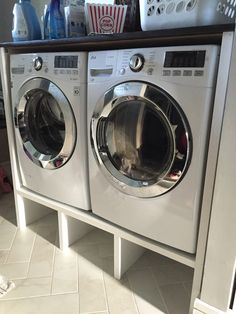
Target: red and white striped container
105,18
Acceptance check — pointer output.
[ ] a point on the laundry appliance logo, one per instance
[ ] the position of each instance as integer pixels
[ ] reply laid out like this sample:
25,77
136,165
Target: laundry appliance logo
106,23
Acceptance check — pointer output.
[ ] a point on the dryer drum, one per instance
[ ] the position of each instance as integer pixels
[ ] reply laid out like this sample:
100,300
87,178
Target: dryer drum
142,139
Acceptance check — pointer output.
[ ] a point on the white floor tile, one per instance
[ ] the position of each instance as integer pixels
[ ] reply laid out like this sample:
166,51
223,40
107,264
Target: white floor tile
119,296
188,287
65,273
155,259
142,263
106,249
166,275
1,218
41,263
7,234
153,285
14,270
176,298
47,227
22,246
91,287
62,304
3,256
97,236
29,288
147,296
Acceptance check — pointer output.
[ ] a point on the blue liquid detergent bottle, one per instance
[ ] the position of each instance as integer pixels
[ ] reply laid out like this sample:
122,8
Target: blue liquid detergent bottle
56,20
25,22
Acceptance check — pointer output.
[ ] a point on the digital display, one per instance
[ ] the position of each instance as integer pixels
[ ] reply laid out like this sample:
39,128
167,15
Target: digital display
66,62
185,59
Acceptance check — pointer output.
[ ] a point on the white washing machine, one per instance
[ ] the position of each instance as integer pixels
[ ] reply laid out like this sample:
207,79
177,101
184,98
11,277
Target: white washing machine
49,108
149,116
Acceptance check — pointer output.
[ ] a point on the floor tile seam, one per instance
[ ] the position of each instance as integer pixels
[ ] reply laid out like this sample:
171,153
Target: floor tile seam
98,312
186,290
95,243
38,296
9,251
31,252
26,297
105,291
132,293
20,262
172,284
53,268
77,272
37,277
64,293
158,287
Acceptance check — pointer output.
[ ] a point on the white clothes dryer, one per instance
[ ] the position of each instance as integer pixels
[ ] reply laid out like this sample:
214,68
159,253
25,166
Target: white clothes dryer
149,116
49,108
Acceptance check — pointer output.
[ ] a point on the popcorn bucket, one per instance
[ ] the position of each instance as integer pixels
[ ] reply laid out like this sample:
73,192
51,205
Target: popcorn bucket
105,18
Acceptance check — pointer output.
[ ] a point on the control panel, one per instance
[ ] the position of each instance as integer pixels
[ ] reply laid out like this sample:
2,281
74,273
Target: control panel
65,65
183,65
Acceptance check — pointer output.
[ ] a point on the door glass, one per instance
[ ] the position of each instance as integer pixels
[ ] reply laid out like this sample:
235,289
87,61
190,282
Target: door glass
139,140
44,122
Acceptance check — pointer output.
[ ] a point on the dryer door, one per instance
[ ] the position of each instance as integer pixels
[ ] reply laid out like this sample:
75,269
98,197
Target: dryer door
141,139
46,123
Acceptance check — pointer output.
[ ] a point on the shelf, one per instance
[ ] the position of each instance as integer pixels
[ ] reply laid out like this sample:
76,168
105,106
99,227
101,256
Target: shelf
182,36
71,230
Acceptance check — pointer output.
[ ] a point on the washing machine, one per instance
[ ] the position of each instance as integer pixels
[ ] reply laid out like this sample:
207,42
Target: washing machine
49,109
149,117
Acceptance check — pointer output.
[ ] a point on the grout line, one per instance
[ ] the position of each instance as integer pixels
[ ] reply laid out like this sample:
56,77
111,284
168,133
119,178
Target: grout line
36,296
77,271
133,295
53,267
9,251
95,312
186,289
104,287
158,289
78,280
31,253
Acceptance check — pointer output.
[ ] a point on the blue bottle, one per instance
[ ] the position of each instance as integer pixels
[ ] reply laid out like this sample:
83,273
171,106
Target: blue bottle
56,20
25,22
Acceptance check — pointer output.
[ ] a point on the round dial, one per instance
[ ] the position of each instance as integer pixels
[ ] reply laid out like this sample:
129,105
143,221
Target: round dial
38,63
136,62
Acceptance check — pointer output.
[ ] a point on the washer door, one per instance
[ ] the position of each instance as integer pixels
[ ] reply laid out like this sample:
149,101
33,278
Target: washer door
46,123
141,139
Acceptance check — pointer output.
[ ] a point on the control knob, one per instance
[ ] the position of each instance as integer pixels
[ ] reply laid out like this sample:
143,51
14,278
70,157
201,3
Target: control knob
38,63
136,62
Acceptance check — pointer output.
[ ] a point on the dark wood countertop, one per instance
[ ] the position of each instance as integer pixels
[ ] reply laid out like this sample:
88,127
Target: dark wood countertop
182,36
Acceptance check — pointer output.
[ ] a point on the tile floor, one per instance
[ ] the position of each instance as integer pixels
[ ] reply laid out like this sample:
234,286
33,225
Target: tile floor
49,281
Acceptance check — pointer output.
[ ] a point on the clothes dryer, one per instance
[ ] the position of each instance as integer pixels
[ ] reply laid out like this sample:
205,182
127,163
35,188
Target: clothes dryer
149,116
49,109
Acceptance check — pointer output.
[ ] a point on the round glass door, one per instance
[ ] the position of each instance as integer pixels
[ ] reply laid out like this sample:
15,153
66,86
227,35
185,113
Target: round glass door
141,139
46,123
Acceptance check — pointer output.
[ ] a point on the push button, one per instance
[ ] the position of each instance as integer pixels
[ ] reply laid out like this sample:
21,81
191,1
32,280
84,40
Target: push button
176,73
187,73
166,72
198,73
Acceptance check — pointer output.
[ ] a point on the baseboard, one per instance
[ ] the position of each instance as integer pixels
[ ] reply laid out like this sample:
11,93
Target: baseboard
201,307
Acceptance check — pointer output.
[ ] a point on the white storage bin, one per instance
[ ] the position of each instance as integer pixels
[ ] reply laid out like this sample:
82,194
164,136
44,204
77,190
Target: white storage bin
164,14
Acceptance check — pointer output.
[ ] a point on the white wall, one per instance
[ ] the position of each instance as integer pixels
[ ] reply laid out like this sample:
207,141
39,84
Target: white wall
6,7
